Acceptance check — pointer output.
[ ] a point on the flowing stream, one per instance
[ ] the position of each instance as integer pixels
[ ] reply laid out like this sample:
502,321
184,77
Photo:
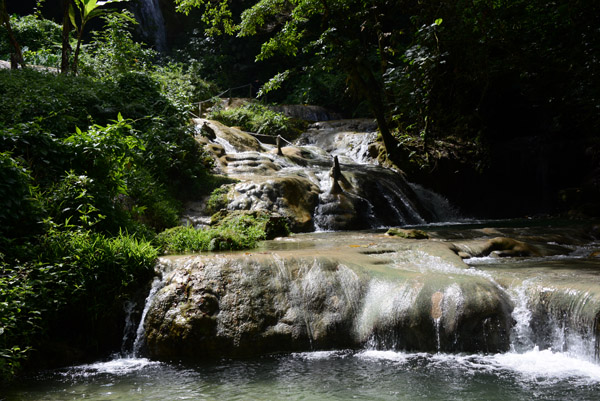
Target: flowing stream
552,355
478,311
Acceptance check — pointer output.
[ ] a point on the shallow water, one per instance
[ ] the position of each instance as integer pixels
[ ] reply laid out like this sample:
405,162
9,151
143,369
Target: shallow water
331,375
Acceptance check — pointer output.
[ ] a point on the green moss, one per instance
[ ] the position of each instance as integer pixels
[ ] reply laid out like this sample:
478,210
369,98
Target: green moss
230,231
218,200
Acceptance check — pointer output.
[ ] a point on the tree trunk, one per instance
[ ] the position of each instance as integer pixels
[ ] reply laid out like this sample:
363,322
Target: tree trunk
66,30
77,49
18,55
368,87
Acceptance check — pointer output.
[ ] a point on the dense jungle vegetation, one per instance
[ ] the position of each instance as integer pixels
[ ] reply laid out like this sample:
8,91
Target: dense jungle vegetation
494,103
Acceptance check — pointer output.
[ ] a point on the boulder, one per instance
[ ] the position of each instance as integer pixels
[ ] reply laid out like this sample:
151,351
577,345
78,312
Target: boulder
250,304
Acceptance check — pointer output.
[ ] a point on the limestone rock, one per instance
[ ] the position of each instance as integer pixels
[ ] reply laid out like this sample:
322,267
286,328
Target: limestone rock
249,304
407,233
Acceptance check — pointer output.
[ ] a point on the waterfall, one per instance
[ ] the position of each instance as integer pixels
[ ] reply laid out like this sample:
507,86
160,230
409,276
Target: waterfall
152,23
555,319
437,205
299,184
138,344
129,332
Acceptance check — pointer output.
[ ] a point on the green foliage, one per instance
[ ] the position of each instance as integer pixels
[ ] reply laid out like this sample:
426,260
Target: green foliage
86,11
73,200
113,52
20,317
182,85
412,82
40,39
56,103
77,275
233,232
215,14
107,152
19,210
82,187
274,83
218,200
257,118
322,86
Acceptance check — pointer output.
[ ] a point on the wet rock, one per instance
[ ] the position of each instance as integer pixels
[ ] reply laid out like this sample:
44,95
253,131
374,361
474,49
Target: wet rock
407,233
295,183
258,307
498,247
250,304
293,197
340,211
238,139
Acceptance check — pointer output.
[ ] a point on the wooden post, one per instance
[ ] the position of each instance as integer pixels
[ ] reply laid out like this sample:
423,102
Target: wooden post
278,141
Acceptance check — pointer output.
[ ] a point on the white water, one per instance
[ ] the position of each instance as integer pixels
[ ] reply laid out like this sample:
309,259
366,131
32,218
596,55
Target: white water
152,23
157,284
532,366
375,196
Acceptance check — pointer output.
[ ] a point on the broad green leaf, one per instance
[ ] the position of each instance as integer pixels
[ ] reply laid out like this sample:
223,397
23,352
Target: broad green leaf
90,5
72,15
96,13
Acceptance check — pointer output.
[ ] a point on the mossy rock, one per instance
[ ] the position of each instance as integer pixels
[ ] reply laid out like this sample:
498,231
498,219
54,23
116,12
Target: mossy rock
218,199
273,224
406,233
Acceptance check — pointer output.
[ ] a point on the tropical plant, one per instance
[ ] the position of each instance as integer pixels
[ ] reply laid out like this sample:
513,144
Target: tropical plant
112,51
39,38
87,10
5,19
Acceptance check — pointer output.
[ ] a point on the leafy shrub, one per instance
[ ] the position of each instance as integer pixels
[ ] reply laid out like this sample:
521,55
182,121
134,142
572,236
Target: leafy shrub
113,51
218,200
19,210
57,103
88,178
20,317
35,35
257,118
41,151
240,230
153,155
79,276
182,84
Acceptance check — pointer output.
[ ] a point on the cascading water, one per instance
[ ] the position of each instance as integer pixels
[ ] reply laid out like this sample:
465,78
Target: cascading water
138,344
305,184
152,23
363,315
357,314
555,310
